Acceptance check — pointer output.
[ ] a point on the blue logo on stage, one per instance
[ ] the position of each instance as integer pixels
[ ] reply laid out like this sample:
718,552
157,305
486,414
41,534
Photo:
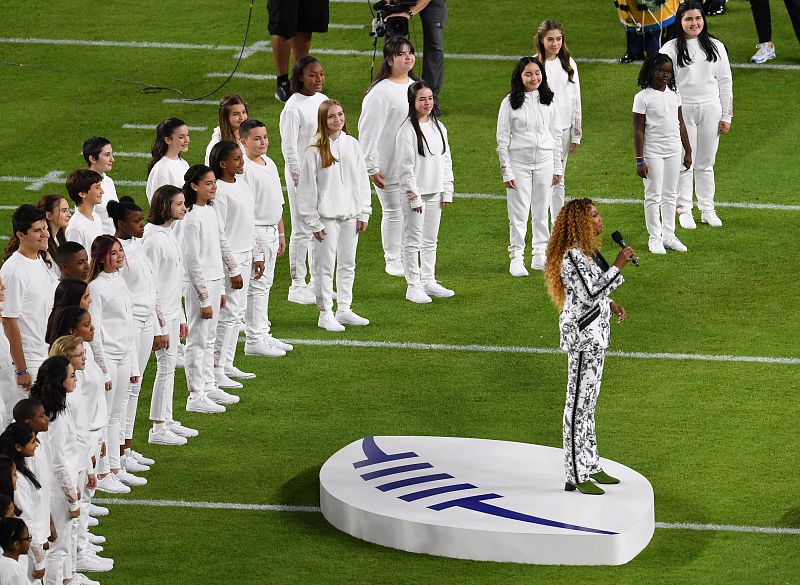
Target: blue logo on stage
477,503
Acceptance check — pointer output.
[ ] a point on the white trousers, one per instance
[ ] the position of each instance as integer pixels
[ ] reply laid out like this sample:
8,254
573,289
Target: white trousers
300,246
60,561
232,314
256,315
585,374
117,401
531,199
420,236
82,527
557,202
164,383
660,195
199,354
338,250
392,201
144,346
702,126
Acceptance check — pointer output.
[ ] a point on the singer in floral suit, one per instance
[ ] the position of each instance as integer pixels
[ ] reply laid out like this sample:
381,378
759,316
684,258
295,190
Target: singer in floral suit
579,281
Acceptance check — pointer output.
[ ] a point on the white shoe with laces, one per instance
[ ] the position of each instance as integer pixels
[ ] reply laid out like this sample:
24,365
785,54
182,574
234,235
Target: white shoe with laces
93,563
301,295
221,397
711,218
132,465
656,246
141,458
234,372
675,244
348,317
434,289
199,402
537,263
81,579
93,548
766,51
517,267
91,522
112,485
395,268
687,221
165,437
223,381
96,539
262,349
273,342
129,479
96,511
416,294
181,430
329,323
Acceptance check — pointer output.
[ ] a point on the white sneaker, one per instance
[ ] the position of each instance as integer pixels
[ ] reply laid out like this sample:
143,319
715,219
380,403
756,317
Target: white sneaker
234,372
348,317
329,323
675,244
766,51
221,397
129,479
434,289
112,485
95,539
301,295
395,268
81,579
199,403
93,548
687,221
94,510
416,294
656,246
517,267
538,262
180,430
93,564
179,360
223,381
133,466
242,328
710,217
262,349
165,437
141,458
274,342
91,522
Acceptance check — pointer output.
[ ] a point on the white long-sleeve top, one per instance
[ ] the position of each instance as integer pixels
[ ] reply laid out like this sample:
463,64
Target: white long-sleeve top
81,230
205,250
567,96
12,572
139,275
79,410
340,191
162,248
236,213
703,81
166,172
112,316
424,175
383,111
94,390
526,137
35,505
298,125
216,137
109,194
41,467
265,184
65,457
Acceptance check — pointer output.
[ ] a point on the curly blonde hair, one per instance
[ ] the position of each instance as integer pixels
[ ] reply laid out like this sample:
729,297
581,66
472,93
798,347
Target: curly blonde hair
572,229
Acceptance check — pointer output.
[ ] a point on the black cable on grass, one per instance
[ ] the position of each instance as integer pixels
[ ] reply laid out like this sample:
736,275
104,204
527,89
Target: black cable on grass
149,88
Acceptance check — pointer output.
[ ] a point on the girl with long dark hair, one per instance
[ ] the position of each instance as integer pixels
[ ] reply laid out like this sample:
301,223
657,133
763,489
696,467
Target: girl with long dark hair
167,167
232,112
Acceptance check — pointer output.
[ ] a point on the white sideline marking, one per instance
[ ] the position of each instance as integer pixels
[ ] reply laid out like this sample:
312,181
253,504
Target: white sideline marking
262,46
545,351
347,26
190,102
132,154
237,75
316,510
153,127
131,183
48,178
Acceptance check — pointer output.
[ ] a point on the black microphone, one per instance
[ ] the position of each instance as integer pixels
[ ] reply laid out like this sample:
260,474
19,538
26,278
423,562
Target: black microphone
617,237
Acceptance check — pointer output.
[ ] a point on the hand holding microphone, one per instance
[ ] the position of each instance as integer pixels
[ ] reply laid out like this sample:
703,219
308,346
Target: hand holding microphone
626,254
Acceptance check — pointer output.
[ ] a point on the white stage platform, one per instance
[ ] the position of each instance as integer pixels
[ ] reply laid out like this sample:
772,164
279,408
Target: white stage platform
483,500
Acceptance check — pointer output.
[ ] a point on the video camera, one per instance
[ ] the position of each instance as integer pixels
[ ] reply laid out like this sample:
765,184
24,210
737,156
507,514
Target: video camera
383,25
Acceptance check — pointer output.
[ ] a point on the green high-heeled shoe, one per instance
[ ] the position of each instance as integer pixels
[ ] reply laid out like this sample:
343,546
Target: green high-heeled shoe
604,478
586,487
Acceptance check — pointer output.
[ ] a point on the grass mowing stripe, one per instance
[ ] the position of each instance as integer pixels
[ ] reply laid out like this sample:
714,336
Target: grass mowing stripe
263,47
545,351
316,510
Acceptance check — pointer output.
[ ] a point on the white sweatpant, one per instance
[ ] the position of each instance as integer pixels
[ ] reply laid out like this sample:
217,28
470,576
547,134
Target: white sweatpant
117,401
338,250
702,126
164,383
82,528
256,315
232,314
60,558
660,195
420,236
531,199
144,346
557,202
392,201
300,246
199,355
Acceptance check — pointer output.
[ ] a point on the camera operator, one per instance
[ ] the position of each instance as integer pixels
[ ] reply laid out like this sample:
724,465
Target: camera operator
433,14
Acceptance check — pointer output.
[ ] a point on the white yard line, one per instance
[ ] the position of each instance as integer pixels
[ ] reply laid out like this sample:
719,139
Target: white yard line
544,350
263,47
238,75
124,154
153,127
190,102
316,510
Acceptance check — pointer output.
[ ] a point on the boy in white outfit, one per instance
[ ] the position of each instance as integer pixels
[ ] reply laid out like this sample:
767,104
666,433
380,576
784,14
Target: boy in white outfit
86,190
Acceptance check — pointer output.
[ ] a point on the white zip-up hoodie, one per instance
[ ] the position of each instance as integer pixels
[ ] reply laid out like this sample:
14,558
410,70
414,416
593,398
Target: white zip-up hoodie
112,316
526,136
340,191
164,252
429,174
94,391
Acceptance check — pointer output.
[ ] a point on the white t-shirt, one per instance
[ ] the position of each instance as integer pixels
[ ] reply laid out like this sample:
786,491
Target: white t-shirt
662,136
109,194
166,172
82,230
29,299
11,572
265,183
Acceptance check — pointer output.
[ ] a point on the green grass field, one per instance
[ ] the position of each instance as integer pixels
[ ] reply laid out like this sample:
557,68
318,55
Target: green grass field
717,439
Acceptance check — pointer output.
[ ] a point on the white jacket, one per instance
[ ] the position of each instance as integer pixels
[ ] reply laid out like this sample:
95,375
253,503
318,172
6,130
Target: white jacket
298,124
112,316
340,191
65,458
139,276
94,391
424,175
166,172
164,252
567,96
